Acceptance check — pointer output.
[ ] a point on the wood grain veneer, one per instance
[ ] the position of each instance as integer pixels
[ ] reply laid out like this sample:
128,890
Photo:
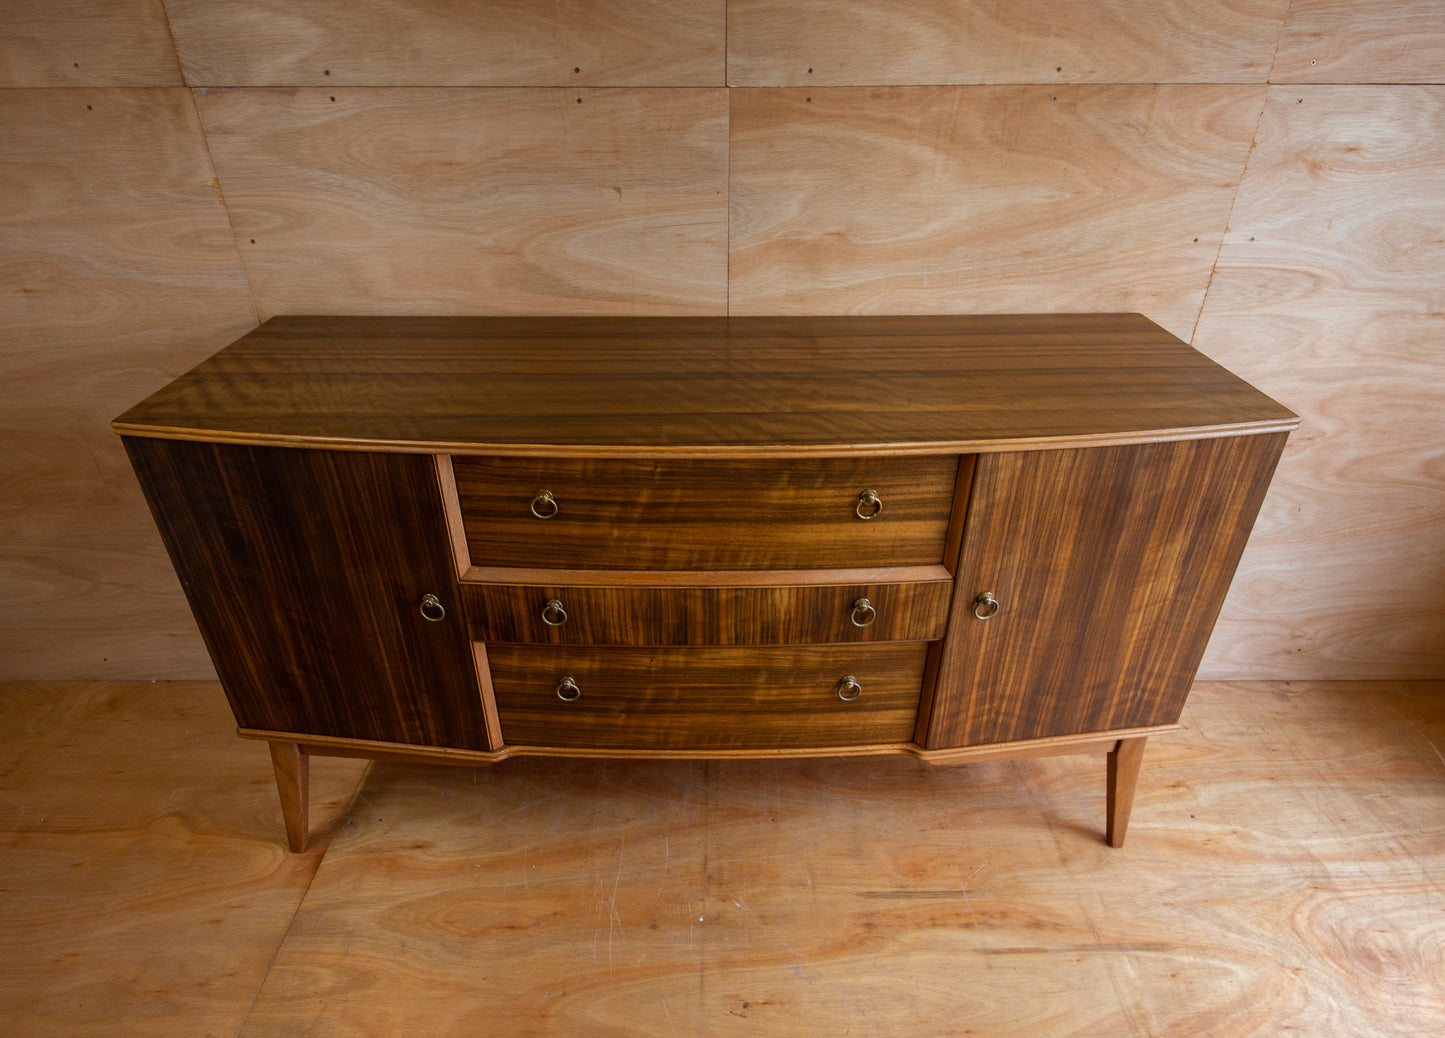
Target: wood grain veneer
1350,41
655,387
787,615
424,43
1345,574
817,43
452,200
305,570
711,698
355,508
1109,566
706,514
930,199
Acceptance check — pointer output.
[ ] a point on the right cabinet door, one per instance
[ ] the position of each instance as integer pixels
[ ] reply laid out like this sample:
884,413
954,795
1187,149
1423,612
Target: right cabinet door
1108,567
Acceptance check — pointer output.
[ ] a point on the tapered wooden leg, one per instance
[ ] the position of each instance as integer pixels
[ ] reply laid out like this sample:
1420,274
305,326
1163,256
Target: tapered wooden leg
293,770
1124,761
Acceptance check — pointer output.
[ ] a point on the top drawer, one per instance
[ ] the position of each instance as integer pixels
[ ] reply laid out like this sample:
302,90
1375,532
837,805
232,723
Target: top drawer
705,514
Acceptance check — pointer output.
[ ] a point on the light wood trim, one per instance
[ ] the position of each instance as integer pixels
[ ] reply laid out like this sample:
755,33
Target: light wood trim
334,746
452,509
612,578
492,719
293,781
1123,778
962,492
748,451
1055,746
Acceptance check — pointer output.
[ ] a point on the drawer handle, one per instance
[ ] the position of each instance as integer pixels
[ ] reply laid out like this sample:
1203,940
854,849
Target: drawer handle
553,615
869,505
849,689
567,691
985,605
544,505
432,609
863,613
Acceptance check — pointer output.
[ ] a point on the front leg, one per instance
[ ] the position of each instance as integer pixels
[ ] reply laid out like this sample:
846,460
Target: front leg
293,771
1124,761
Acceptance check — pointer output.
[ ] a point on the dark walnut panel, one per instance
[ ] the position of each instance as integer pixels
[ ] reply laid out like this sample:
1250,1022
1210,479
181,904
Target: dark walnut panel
911,611
707,698
305,571
705,514
1110,566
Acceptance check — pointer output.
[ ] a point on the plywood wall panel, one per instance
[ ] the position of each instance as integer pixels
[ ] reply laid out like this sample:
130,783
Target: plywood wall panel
1329,295
96,43
450,42
1362,41
876,42
476,201
117,272
984,199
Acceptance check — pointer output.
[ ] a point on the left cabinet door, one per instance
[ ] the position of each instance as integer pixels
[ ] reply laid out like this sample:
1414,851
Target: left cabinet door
306,571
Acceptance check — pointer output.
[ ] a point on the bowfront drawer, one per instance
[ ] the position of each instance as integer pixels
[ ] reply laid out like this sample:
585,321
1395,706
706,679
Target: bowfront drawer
910,611
692,699
705,514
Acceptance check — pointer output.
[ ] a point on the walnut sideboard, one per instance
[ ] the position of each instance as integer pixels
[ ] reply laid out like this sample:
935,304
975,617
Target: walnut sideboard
459,539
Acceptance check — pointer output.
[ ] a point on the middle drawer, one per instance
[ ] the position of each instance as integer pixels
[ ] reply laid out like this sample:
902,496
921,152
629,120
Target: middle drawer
733,615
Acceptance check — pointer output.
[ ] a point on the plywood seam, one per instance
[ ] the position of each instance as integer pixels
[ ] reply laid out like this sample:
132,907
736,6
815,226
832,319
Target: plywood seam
323,845
1278,43
181,69
221,197
1233,201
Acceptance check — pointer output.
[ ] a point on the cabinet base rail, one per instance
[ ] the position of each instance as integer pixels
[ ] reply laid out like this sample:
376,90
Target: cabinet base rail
290,753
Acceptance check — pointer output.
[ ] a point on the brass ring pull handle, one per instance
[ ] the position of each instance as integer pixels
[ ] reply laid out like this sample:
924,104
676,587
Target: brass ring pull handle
567,691
849,689
985,605
870,505
432,609
863,613
553,615
544,505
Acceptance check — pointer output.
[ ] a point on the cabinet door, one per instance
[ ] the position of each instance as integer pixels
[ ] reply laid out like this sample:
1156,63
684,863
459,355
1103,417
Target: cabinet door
305,571
1109,566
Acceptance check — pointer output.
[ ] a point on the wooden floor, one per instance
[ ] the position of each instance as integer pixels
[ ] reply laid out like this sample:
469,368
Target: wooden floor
1284,872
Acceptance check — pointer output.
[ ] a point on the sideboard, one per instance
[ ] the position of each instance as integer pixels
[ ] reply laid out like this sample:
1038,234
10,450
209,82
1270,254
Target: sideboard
456,540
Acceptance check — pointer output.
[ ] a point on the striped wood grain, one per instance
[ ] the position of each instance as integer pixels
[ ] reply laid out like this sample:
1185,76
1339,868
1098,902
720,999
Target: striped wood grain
98,43
878,42
436,201
658,388
306,571
1108,567
450,42
117,272
1283,872
1362,41
706,513
708,697
984,199
1329,289
763,615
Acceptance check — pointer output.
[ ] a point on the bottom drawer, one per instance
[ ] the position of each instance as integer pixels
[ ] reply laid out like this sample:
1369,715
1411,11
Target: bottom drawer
712,698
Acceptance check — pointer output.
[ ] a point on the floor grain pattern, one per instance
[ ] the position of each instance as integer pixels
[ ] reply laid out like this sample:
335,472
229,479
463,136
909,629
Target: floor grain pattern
143,890
1283,872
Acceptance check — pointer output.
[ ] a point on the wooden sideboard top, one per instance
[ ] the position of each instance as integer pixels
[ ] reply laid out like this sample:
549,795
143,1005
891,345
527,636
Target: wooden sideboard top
741,386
